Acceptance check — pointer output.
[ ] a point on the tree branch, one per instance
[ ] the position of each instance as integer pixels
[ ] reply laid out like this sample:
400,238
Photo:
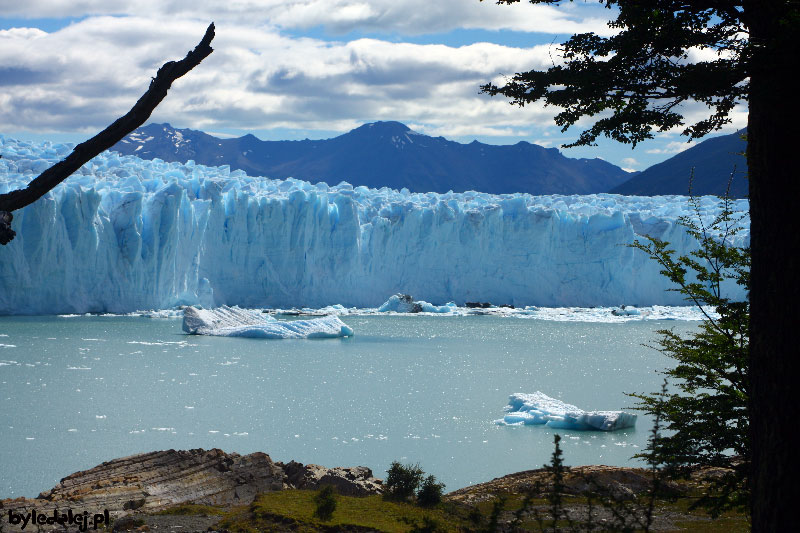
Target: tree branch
139,113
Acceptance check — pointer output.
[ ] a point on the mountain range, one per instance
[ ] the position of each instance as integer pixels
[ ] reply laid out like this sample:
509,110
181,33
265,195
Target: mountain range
390,154
385,154
713,166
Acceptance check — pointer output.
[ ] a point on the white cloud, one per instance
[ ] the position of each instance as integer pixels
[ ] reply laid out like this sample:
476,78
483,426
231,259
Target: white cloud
472,130
674,147
84,76
262,76
406,16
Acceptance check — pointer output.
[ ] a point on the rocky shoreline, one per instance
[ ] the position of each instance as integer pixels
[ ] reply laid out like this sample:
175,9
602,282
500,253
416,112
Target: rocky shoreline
152,482
131,492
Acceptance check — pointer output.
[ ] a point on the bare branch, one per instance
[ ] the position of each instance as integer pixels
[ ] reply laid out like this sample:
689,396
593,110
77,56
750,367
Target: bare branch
139,113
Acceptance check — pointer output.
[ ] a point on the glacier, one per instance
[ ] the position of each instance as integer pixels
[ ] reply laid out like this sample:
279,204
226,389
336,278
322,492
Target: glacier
124,234
234,322
539,409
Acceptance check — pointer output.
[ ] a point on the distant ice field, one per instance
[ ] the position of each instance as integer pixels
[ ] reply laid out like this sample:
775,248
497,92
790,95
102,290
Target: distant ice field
556,314
126,234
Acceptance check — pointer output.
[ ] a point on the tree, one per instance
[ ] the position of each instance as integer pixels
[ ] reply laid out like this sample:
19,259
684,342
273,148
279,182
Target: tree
430,492
708,415
635,80
402,480
139,113
325,503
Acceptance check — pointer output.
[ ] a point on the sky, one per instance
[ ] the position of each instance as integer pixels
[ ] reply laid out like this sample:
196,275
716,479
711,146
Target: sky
296,69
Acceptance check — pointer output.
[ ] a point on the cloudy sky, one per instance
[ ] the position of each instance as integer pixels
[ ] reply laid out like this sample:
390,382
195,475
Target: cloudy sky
294,69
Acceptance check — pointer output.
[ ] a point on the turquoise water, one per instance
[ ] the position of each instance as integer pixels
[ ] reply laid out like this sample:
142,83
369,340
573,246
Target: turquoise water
78,391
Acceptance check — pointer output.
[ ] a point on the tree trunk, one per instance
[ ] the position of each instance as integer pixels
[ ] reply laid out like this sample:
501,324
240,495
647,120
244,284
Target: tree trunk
775,287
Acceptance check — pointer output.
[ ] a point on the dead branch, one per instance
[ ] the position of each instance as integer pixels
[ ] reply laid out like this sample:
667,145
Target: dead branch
139,113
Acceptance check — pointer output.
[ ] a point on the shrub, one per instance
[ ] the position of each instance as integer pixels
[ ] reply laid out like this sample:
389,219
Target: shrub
325,502
402,480
430,492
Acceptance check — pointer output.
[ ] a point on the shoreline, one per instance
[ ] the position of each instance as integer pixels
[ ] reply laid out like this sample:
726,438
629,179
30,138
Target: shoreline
193,490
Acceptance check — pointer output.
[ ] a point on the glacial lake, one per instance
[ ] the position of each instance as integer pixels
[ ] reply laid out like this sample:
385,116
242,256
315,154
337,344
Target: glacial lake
77,391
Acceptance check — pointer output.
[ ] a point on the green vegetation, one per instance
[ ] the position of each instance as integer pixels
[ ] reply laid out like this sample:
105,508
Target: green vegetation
430,492
325,503
558,515
295,510
707,417
634,82
402,480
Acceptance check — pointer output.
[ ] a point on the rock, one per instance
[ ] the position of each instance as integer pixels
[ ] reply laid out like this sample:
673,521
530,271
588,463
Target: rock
354,481
620,482
151,482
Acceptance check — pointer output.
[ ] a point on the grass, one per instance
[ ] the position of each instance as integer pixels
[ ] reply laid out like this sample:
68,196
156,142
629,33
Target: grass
294,509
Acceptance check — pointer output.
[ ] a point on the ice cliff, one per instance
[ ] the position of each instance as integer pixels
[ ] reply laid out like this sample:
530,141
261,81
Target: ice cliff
125,234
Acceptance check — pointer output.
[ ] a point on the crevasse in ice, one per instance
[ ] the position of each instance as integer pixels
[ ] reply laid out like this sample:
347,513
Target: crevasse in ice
124,234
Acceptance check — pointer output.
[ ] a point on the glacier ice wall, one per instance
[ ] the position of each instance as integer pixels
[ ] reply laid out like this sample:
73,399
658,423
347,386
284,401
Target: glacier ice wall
125,234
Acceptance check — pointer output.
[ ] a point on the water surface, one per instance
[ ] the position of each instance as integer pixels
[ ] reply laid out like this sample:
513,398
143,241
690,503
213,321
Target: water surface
78,391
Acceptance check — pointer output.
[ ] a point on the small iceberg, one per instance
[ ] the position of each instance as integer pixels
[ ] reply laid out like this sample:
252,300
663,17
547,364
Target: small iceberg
625,310
235,322
405,303
538,408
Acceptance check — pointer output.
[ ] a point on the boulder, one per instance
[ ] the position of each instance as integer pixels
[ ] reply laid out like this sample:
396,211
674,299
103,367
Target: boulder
353,481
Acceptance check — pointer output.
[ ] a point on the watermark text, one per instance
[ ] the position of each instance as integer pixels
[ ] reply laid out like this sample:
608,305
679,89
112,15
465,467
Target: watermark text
83,520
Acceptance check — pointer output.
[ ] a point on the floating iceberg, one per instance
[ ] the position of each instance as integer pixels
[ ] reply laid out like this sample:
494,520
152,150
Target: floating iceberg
538,408
123,234
234,322
625,310
403,303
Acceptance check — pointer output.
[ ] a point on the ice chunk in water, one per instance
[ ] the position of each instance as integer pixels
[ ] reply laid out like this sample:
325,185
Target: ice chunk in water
403,303
538,408
235,322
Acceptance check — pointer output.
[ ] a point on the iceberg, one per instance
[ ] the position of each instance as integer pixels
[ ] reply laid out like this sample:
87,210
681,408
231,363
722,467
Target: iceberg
234,322
403,303
625,310
124,234
538,408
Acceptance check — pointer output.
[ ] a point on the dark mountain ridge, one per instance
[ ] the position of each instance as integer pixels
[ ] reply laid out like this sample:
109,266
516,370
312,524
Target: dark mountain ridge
710,164
385,154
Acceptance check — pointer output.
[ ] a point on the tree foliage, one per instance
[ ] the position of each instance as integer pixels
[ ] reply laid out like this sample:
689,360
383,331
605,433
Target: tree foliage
402,480
663,53
708,414
430,492
717,52
325,503
555,500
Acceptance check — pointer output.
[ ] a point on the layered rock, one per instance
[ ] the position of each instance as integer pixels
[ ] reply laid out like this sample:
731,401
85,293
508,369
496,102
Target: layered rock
155,481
